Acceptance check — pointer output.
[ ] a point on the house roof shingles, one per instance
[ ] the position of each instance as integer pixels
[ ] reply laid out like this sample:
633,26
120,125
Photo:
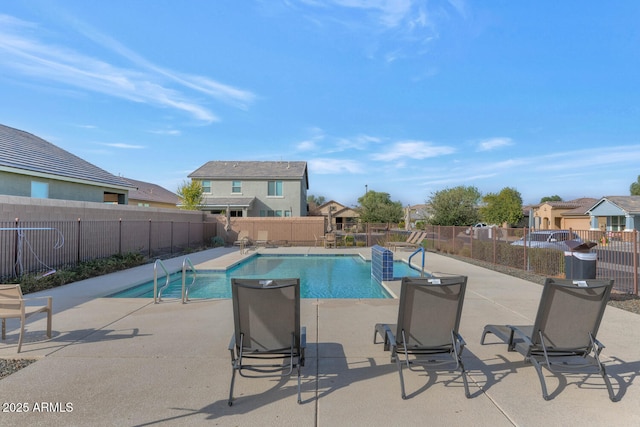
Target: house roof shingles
151,193
24,151
220,169
629,204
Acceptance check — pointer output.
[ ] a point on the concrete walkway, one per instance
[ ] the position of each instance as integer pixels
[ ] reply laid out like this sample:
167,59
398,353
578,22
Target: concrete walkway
129,362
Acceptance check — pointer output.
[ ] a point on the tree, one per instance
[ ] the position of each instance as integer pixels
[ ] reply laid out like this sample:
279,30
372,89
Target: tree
504,207
455,206
555,198
378,207
634,189
318,200
191,195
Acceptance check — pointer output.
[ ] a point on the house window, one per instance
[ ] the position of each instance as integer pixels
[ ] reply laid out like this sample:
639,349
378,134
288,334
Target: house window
617,223
270,213
236,186
206,186
287,213
39,190
274,188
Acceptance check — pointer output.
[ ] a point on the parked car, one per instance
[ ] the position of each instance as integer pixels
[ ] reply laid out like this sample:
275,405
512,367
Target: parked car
551,239
478,225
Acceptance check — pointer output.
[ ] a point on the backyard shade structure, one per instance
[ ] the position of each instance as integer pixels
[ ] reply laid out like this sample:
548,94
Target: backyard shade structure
266,316
563,336
14,306
427,330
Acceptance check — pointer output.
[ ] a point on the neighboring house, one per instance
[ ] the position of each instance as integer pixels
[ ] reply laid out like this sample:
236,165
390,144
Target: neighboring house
560,215
342,217
151,195
416,213
33,167
616,213
254,189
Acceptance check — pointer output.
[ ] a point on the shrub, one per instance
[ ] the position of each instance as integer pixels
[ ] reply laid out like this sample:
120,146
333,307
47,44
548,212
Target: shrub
84,270
217,241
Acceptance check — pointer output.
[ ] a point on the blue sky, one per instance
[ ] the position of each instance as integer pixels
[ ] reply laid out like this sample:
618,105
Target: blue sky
404,97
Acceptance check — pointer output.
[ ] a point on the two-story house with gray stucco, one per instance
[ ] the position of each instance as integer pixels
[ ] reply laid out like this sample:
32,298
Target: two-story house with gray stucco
254,189
33,167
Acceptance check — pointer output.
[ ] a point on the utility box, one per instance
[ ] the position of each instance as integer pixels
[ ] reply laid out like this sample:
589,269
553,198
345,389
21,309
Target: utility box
580,262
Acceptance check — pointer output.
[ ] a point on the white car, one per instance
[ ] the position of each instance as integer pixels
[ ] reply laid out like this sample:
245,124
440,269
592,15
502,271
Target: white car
551,239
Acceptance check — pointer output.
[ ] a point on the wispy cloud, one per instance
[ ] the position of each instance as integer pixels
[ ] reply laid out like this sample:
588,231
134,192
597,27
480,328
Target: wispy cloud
29,55
359,142
170,132
413,150
494,143
323,166
122,145
413,23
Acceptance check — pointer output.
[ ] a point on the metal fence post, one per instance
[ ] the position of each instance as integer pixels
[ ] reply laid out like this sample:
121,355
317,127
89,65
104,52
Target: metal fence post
635,262
78,243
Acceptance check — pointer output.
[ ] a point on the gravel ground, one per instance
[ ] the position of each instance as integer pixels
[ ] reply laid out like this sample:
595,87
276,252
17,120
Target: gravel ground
624,301
9,366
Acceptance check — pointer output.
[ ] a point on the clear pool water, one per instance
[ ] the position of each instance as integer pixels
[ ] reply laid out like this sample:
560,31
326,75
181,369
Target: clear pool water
320,277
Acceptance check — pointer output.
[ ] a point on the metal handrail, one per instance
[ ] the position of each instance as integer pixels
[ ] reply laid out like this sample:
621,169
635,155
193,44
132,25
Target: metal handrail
420,249
157,295
185,289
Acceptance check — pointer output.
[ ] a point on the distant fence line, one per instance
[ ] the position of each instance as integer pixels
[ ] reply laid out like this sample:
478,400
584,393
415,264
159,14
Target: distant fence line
617,253
34,246
39,246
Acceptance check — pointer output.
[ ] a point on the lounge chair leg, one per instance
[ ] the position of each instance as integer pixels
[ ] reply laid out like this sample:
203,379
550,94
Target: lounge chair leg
465,382
543,384
233,379
399,363
607,382
299,394
22,322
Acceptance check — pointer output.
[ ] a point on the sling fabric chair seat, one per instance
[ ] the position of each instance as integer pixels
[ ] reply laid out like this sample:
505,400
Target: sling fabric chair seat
427,330
14,306
266,316
563,336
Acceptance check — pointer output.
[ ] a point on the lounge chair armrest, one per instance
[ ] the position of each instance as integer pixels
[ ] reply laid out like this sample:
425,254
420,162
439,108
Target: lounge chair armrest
460,341
597,346
303,337
521,334
49,300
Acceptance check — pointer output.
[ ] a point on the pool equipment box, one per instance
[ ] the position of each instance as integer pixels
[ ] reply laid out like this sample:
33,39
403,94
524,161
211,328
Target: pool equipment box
381,263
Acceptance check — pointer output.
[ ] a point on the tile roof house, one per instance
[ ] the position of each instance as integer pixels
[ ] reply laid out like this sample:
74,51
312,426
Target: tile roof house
254,188
616,213
33,167
561,215
147,194
342,218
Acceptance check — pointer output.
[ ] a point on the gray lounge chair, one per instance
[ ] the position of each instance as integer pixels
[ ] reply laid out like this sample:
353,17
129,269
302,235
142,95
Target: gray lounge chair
427,330
266,316
413,241
563,336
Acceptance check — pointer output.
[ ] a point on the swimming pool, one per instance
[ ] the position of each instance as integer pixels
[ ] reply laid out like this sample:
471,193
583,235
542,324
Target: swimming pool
321,276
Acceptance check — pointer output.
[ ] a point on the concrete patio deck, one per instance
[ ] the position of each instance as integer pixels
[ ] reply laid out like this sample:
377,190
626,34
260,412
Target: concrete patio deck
131,362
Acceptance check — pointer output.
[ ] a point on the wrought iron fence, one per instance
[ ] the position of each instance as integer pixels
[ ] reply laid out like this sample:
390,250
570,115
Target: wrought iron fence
41,246
616,253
